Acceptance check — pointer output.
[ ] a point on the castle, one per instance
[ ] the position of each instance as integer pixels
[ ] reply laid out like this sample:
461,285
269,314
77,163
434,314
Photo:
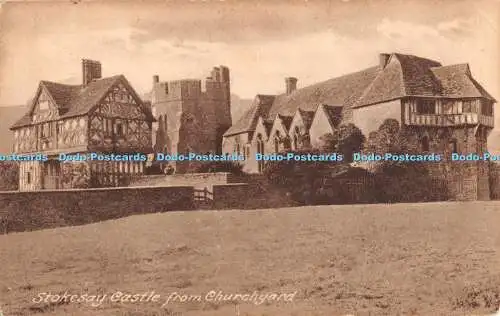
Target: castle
442,108
191,119
101,115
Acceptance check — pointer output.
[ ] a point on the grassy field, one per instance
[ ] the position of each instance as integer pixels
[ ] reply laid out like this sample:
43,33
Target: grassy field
406,259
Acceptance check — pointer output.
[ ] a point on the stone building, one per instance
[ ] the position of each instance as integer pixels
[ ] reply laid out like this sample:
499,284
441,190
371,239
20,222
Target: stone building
102,115
192,115
442,108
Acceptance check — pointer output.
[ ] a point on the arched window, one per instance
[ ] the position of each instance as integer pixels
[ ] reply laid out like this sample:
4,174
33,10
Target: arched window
277,142
425,143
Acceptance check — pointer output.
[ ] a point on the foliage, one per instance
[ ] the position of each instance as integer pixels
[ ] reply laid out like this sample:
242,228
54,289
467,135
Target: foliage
308,183
221,166
389,138
401,181
350,141
407,182
329,142
9,176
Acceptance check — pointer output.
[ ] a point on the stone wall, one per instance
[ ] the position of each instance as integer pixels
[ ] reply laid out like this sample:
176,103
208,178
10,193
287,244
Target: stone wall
196,117
27,211
249,196
194,179
494,181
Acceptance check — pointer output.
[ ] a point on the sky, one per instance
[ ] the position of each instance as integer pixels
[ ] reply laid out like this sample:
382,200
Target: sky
261,42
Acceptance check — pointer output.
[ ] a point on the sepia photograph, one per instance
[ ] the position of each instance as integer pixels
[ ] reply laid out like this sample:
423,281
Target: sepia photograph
249,158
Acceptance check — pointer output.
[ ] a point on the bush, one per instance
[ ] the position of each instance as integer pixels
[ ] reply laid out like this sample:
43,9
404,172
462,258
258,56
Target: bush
308,183
221,166
9,176
407,182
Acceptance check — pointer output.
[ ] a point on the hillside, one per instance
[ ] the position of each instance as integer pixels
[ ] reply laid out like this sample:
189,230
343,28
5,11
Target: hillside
8,115
406,259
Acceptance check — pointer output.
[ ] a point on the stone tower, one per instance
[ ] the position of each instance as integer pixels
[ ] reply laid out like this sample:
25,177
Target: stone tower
196,114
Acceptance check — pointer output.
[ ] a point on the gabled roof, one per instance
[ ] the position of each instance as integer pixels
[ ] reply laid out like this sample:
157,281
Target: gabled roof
307,117
75,100
260,107
401,76
457,81
333,113
286,121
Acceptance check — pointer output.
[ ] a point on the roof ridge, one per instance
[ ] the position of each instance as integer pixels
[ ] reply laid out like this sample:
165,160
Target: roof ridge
451,65
58,83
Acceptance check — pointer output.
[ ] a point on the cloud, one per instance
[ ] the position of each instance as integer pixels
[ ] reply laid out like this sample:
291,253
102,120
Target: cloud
456,28
394,29
260,44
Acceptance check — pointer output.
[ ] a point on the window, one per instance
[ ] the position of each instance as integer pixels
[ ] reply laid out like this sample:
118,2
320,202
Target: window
468,106
426,107
108,126
28,177
120,131
45,130
260,149
425,143
450,107
486,108
452,146
277,142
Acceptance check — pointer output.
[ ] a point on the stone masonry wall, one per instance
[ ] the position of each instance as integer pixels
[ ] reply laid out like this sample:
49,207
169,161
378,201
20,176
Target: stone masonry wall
23,211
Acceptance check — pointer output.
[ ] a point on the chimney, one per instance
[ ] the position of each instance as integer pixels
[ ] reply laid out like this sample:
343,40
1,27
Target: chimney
91,70
156,79
291,84
384,59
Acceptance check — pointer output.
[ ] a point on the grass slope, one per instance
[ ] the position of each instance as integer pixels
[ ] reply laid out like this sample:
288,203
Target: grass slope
406,259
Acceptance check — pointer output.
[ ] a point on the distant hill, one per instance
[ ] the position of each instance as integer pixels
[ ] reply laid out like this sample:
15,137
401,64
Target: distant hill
239,106
8,116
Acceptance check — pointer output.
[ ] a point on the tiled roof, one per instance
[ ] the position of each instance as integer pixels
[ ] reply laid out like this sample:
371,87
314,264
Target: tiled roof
75,100
334,114
457,81
248,121
286,120
403,75
307,117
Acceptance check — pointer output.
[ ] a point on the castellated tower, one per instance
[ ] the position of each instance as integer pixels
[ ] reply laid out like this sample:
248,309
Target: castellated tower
192,115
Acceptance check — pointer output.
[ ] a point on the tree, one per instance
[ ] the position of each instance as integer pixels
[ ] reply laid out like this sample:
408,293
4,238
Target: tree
9,176
329,142
371,142
388,136
351,140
